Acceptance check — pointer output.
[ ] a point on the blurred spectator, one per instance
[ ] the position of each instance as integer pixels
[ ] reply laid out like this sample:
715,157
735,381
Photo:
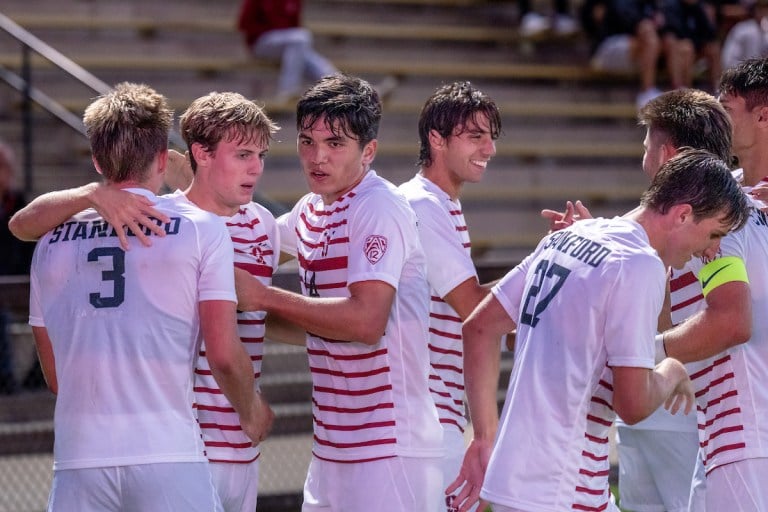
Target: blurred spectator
560,22
625,37
15,258
689,33
747,38
272,30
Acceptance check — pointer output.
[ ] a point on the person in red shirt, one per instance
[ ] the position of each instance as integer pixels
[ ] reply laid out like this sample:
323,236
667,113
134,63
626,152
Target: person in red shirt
272,30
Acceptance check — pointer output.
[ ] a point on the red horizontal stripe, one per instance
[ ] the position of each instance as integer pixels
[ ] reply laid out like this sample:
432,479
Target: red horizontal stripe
353,392
445,334
682,281
353,410
255,269
347,357
373,442
445,351
349,375
447,318
590,455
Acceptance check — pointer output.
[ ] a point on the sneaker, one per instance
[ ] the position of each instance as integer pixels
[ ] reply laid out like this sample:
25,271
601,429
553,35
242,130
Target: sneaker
645,96
565,25
533,24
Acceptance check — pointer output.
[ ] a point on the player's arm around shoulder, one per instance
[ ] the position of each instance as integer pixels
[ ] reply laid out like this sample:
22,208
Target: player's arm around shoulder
119,208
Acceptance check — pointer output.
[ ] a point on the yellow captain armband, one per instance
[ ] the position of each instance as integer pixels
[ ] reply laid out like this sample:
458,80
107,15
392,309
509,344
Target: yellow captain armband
720,271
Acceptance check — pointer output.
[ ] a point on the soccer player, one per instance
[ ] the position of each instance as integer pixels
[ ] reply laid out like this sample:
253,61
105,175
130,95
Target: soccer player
731,333
118,332
585,304
377,438
657,456
228,137
458,127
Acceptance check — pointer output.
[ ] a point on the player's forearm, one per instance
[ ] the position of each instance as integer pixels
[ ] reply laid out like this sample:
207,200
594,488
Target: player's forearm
638,392
342,318
234,375
50,210
481,377
725,323
230,364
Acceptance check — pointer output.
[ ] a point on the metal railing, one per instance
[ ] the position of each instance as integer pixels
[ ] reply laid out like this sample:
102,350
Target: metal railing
22,82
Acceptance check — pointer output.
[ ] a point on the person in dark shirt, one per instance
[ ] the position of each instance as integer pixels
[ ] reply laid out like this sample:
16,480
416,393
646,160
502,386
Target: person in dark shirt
690,31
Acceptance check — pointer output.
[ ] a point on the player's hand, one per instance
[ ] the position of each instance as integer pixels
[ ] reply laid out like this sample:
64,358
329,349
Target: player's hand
258,426
250,291
127,212
561,220
465,490
178,171
682,398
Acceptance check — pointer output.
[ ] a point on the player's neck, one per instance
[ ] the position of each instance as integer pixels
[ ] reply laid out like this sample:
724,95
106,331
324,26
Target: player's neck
443,181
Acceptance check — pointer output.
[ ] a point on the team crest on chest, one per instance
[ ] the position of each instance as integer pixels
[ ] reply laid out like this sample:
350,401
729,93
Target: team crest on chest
375,247
258,252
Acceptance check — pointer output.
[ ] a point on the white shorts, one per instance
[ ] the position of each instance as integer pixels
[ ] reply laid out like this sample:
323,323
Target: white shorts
614,54
395,483
656,468
738,486
698,500
147,487
237,485
501,508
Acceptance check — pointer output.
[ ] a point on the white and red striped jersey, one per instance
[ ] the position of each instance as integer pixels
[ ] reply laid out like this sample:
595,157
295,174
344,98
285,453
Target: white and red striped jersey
369,402
730,387
125,330
445,239
585,301
256,241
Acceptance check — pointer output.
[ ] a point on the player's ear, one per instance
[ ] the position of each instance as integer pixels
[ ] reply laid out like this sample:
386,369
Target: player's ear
681,214
369,152
668,150
96,165
200,153
763,115
435,139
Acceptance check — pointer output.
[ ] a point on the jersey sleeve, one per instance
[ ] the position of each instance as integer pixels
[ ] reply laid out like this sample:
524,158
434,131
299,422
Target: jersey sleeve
631,318
35,307
509,290
217,277
382,232
448,262
286,226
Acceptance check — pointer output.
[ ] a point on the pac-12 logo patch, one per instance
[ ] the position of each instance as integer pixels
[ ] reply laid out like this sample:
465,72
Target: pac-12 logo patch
375,247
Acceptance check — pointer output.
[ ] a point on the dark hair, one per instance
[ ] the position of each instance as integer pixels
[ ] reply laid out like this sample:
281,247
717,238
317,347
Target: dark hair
748,80
700,179
453,106
689,117
345,103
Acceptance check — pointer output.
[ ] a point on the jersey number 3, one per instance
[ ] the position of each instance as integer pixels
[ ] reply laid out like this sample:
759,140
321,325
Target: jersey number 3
535,305
116,275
